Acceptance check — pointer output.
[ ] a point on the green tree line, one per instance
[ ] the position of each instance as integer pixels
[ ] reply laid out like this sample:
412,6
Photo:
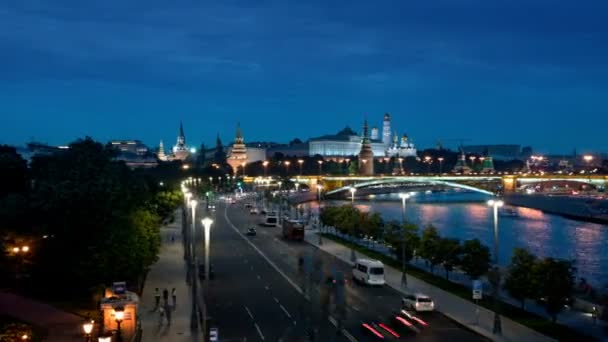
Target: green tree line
88,219
549,281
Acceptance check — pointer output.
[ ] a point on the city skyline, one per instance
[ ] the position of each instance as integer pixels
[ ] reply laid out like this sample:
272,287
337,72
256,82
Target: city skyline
532,74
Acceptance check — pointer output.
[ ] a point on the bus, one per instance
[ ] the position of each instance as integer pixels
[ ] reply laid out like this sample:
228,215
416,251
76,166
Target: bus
293,230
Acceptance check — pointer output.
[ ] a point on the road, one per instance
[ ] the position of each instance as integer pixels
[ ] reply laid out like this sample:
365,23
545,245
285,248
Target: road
248,299
246,283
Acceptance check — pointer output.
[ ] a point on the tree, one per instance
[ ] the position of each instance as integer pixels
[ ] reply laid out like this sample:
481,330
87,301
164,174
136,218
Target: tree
520,281
556,280
13,169
398,233
475,260
429,246
449,254
200,157
370,224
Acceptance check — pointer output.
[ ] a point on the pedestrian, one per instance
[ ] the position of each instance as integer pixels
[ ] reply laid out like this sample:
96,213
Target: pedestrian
168,312
157,296
166,295
174,296
161,315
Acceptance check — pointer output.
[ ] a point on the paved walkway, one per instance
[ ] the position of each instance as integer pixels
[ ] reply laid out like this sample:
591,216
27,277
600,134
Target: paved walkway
168,272
460,310
61,326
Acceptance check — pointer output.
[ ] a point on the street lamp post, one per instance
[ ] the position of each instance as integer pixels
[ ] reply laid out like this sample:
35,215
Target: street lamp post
287,163
352,192
400,165
319,188
119,315
265,164
495,204
428,160
404,197
87,327
243,164
193,267
320,162
588,158
300,162
207,225
440,159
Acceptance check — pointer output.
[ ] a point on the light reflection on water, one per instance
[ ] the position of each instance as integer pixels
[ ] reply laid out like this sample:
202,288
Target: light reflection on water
466,216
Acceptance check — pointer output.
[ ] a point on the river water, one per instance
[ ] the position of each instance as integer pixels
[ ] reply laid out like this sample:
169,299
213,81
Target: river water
465,215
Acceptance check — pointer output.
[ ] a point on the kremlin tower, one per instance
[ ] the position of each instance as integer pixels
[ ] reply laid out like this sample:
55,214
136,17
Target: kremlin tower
366,155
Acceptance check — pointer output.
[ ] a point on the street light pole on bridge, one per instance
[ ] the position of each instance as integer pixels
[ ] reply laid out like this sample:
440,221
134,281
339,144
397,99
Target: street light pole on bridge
404,197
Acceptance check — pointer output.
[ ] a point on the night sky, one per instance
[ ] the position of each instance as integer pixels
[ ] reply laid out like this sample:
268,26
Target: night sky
533,72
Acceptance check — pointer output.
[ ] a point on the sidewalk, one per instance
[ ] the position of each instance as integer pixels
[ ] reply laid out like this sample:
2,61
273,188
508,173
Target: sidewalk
458,309
170,271
61,326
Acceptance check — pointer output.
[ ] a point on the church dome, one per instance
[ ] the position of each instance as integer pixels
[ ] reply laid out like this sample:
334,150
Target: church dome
387,117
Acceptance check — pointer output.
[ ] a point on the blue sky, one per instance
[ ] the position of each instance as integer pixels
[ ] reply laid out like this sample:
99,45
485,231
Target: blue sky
533,72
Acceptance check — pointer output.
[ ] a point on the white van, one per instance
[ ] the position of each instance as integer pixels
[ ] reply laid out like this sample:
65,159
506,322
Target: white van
418,302
369,272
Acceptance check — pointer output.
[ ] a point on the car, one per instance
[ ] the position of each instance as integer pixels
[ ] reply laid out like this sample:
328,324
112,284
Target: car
248,205
253,211
251,232
417,302
369,272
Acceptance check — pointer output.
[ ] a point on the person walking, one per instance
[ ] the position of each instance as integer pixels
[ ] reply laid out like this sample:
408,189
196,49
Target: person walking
157,296
174,297
168,313
166,296
161,315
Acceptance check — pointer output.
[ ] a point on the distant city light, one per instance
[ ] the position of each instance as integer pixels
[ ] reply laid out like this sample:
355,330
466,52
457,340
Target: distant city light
192,150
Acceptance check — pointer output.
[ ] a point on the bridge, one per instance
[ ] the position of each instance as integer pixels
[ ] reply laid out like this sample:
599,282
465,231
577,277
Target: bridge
488,184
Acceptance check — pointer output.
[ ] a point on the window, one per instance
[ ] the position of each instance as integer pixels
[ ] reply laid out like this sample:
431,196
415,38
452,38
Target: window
376,270
362,268
424,300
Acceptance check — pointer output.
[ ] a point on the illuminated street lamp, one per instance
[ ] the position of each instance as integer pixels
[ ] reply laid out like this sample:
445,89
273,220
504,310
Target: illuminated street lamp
588,158
243,164
207,225
352,192
400,165
440,165
404,197
119,315
300,162
472,158
106,338
287,163
87,327
265,164
320,167
495,204
428,160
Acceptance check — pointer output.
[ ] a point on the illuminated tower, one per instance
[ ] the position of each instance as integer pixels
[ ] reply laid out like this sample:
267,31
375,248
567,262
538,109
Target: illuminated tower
238,153
161,152
366,156
180,151
374,135
386,130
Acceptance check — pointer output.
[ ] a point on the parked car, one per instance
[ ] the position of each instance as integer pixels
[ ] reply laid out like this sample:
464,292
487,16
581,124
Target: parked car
251,231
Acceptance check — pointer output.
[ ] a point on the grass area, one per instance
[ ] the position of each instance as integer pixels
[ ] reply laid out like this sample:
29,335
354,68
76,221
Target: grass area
533,321
12,329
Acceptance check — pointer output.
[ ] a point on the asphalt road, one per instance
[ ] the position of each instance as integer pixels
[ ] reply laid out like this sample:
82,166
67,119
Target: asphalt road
248,299
244,264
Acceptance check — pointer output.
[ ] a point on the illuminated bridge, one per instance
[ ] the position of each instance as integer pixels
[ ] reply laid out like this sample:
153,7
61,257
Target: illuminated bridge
486,184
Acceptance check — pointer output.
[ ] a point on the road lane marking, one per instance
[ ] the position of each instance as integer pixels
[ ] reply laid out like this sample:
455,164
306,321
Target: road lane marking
285,310
259,331
259,277
348,336
291,282
267,288
276,300
333,321
249,313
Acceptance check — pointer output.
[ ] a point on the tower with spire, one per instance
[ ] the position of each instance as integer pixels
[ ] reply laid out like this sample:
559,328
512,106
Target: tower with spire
366,155
238,153
161,152
180,150
461,165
